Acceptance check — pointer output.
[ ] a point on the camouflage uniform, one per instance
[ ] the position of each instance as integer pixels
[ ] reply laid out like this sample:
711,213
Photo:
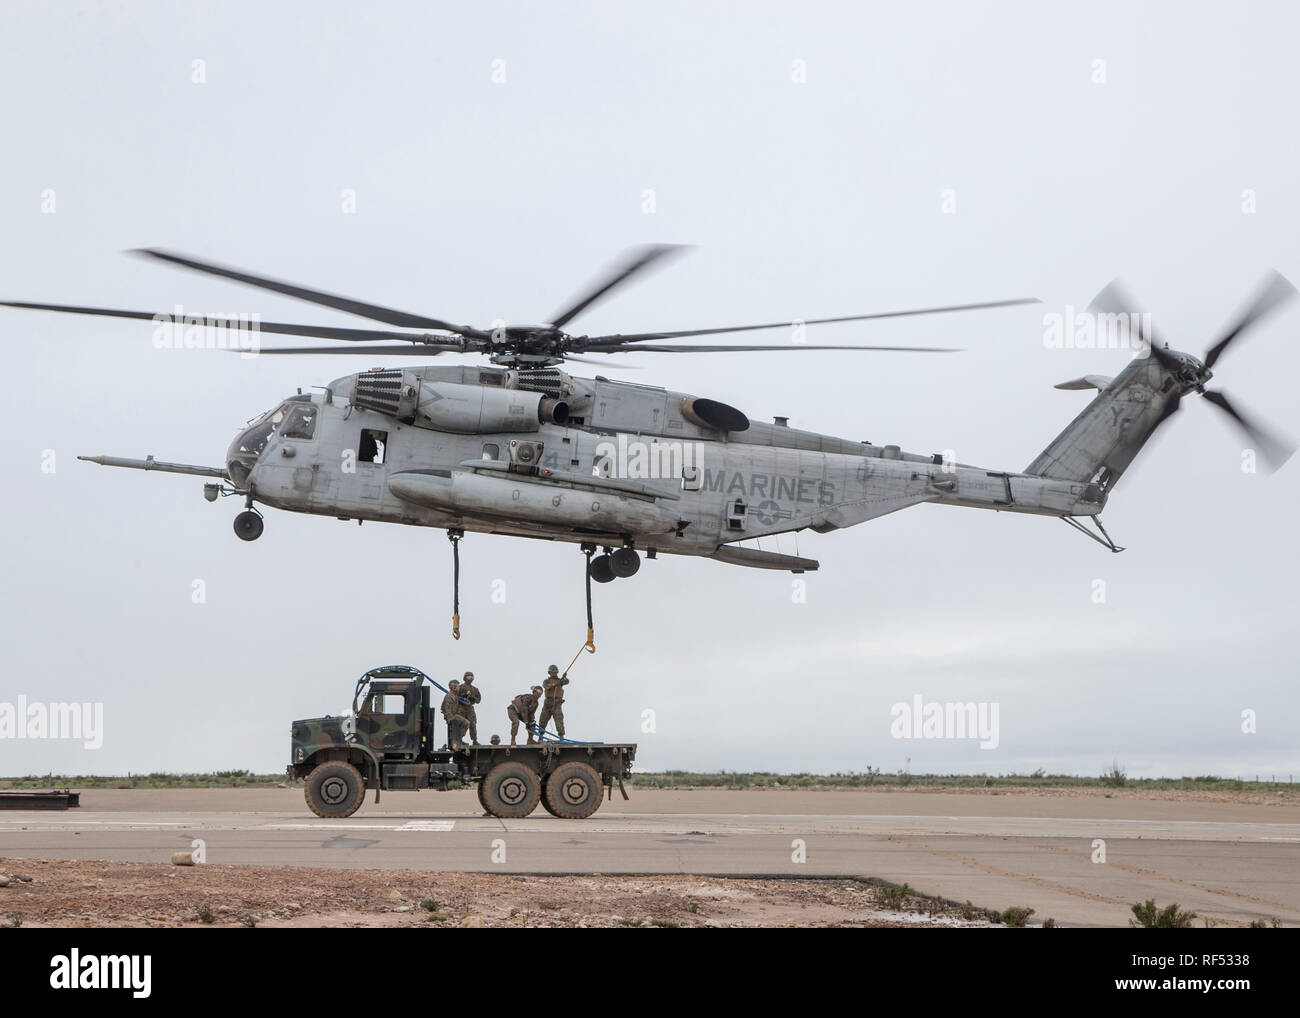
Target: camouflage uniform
553,706
469,696
453,714
523,708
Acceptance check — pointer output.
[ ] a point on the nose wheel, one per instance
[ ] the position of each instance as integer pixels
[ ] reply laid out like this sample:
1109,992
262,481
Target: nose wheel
249,525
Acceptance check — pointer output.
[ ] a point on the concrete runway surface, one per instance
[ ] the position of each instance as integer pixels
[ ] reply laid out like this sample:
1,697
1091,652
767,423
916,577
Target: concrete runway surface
1230,862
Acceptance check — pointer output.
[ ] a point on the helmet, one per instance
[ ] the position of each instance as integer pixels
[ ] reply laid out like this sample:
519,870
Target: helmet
552,670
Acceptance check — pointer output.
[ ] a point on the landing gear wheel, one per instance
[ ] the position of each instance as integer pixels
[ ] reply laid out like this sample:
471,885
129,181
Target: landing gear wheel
602,570
573,790
511,790
625,562
334,790
248,525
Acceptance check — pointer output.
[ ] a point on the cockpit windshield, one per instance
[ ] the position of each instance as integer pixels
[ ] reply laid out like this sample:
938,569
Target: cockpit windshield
301,422
248,445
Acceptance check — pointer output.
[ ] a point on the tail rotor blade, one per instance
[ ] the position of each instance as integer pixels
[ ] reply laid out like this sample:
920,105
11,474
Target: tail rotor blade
1274,451
1275,291
1115,300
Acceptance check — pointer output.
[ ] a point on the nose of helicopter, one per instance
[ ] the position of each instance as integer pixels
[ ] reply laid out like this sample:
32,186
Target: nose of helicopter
242,455
248,446
251,442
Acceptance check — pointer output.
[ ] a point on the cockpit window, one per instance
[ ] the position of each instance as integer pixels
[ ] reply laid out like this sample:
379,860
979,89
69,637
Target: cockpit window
276,417
248,445
301,422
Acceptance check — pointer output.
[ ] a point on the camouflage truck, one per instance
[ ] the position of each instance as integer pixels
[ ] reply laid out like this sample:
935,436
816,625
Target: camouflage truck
388,743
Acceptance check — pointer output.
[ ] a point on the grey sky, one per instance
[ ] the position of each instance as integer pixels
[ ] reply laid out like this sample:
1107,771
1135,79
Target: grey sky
479,200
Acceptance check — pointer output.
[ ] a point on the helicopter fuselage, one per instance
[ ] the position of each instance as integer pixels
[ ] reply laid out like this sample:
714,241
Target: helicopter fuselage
543,454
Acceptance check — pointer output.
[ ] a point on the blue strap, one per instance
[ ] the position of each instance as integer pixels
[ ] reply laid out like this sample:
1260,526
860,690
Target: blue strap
546,736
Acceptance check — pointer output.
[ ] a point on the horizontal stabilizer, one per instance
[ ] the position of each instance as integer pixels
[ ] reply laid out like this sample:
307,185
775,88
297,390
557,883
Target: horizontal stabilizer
1087,382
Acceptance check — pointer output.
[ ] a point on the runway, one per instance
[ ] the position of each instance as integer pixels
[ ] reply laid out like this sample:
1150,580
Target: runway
1229,862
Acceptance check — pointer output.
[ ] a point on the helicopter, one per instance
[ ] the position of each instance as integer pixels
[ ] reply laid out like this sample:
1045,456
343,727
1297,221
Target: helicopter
521,447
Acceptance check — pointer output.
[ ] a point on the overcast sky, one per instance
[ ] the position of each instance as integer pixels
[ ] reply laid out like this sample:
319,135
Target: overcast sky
1078,145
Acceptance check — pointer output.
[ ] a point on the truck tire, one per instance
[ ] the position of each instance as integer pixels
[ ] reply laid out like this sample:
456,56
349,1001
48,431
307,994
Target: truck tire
481,800
511,790
546,801
334,790
573,790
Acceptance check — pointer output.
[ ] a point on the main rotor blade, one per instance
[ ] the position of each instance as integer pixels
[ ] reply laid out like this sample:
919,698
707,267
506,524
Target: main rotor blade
1275,291
1274,451
604,364
639,260
750,348
374,312
224,322
642,336
388,349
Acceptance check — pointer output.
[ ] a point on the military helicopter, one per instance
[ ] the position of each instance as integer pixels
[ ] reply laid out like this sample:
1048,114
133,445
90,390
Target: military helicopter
523,448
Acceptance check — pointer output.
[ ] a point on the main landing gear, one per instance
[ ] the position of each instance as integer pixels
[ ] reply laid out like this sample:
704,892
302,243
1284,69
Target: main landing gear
614,565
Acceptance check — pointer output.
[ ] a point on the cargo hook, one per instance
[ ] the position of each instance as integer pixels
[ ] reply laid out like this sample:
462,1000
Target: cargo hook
454,535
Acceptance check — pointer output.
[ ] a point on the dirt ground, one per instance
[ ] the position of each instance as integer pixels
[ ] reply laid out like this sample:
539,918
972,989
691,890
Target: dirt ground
120,894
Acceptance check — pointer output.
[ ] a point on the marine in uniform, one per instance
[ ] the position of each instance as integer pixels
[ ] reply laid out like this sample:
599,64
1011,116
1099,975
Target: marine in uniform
452,714
469,696
523,708
553,704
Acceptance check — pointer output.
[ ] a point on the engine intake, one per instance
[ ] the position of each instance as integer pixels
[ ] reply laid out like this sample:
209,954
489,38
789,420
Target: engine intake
709,413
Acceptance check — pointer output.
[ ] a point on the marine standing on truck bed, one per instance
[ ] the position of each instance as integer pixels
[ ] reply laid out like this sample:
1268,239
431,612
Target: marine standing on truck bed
387,743
553,706
524,708
469,697
453,715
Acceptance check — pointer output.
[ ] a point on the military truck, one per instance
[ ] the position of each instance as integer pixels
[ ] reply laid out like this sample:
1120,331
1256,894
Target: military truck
388,743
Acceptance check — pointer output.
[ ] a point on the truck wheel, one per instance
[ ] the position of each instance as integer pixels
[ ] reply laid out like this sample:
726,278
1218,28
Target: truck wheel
482,800
335,790
573,790
511,790
546,799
